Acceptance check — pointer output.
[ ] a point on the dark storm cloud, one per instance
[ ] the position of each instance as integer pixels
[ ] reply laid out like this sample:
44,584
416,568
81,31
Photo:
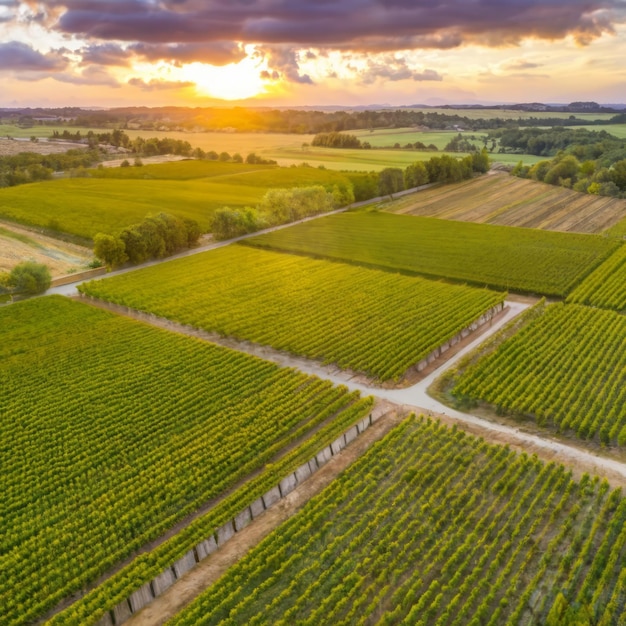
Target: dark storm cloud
350,24
19,57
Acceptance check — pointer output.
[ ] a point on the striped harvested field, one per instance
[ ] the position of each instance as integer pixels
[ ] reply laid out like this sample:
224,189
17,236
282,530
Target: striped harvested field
509,201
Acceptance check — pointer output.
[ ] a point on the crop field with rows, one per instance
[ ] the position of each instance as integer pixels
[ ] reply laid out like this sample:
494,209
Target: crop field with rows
366,320
119,197
121,430
509,201
433,527
516,259
606,286
566,369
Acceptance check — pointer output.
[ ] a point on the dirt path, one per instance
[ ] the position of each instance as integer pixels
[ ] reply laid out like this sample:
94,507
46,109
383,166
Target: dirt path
207,572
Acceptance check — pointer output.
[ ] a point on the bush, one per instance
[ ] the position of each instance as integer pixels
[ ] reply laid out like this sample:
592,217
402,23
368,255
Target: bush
29,278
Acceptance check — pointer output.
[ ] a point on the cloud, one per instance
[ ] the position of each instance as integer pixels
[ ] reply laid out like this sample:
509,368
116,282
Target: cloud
104,54
520,65
8,10
92,75
359,25
283,62
390,68
158,85
213,53
19,57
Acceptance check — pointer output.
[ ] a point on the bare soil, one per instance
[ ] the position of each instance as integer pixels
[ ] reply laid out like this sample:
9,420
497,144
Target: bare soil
61,257
161,158
11,147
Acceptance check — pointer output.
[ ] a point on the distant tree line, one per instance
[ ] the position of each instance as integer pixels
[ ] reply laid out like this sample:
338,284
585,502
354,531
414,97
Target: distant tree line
565,170
279,206
584,143
156,237
308,122
29,167
439,169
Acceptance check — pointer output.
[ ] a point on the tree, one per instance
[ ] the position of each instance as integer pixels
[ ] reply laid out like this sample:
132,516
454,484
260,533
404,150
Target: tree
618,174
110,250
480,161
390,181
565,168
415,175
29,278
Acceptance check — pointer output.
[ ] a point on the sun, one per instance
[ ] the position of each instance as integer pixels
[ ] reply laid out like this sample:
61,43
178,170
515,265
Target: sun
235,81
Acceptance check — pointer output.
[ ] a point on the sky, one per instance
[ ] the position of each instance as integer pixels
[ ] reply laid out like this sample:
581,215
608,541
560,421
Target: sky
310,52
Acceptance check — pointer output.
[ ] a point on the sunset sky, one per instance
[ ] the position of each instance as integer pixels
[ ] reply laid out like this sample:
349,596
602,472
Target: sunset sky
310,52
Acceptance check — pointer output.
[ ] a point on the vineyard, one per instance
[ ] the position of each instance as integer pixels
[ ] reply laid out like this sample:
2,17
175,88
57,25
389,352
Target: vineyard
122,430
606,286
189,189
434,527
566,369
365,320
509,201
516,259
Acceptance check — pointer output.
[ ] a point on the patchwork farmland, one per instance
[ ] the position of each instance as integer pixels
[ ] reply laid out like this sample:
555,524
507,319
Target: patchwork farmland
134,456
510,201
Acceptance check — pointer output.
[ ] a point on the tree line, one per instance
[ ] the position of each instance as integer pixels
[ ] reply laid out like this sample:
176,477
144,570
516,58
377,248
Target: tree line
156,237
439,169
30,167
565,170
307,122
279,206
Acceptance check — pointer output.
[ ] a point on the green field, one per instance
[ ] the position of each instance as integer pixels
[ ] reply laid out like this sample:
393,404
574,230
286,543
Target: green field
619,230
388,137
86,206
376,159
511,201
432,527
618,130
518,259
566,369
177,170
606,286
365,320
119,432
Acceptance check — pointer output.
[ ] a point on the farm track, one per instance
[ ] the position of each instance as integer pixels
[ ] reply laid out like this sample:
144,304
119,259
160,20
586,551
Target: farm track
417,399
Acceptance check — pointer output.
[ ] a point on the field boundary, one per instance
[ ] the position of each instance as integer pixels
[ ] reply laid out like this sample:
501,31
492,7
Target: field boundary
267,352
151,590
76,276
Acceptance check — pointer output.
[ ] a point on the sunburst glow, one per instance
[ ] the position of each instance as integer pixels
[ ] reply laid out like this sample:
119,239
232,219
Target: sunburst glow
230,82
